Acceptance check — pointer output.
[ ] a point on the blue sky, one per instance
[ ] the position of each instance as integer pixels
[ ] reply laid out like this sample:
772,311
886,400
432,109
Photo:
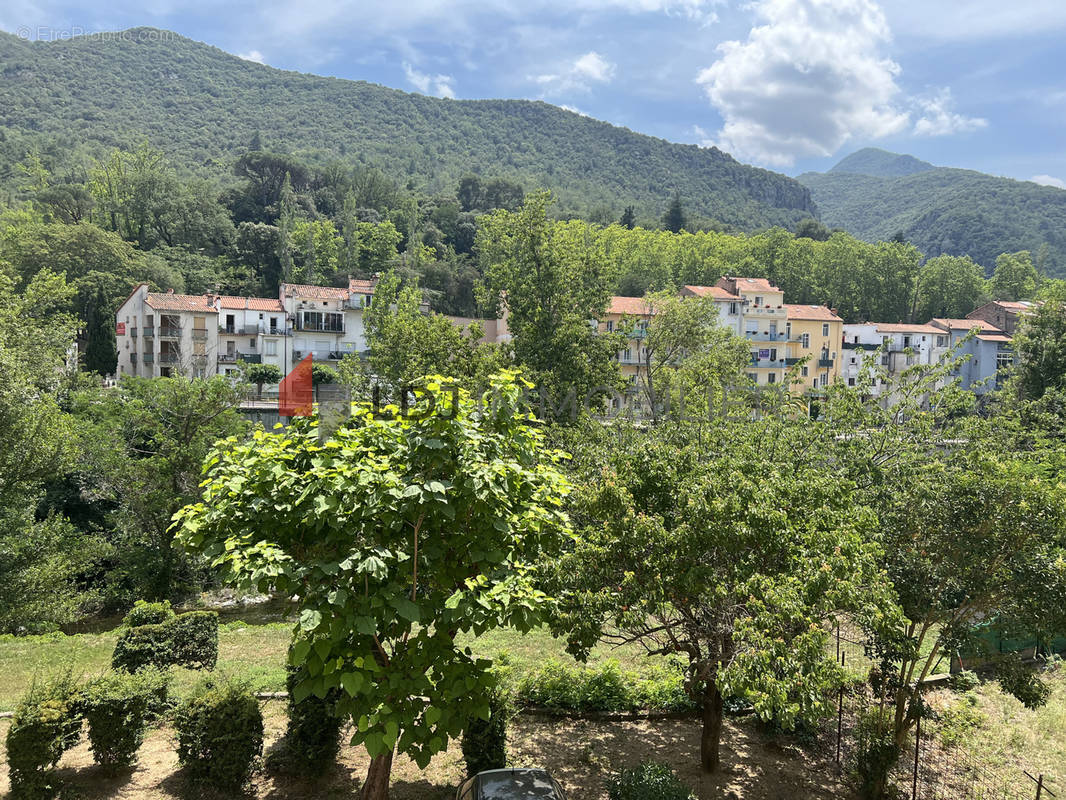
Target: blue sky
792,85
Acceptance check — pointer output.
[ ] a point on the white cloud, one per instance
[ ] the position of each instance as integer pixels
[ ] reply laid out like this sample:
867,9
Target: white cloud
1049,180
573,110
939,120
253,55
808,79
436,85
578,75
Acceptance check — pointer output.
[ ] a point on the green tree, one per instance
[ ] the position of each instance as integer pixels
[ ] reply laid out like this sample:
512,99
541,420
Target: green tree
260,375
1015,277
812,229
948,286
398,534
685,353
696,546
286,223
41,557
1040,347
553,279
629,218
144,444
674,219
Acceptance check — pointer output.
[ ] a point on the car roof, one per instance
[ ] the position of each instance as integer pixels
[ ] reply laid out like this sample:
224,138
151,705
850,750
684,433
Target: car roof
515,784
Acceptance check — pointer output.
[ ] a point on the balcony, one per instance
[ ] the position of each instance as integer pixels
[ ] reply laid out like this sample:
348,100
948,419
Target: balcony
169,332
148,332
319,327
240,330
825,362
765,336
321,355
233,358
228,358
169,358
767,363
148,358
199,334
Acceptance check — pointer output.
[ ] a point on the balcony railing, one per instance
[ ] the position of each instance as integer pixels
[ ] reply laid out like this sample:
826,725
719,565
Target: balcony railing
199,334
133,333
233,358
228,358
148,332
148,358
765,336
169,332
240,330
768,363
325,326
168,358
825,362
321,355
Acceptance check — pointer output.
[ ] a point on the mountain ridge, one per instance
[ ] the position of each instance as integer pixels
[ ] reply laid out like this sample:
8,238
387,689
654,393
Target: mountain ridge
202,105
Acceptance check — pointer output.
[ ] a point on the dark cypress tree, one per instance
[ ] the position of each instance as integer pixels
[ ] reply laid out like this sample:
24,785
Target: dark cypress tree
629,219
101,356
674,218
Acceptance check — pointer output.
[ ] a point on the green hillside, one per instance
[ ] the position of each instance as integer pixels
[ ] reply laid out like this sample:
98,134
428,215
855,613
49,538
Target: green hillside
943,210
203,106
874,161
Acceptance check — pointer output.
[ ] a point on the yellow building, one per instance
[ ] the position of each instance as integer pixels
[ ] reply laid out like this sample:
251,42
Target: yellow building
817,334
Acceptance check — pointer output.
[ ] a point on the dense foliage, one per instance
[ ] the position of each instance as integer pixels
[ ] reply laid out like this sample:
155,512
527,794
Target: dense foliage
201,105
647,781
118,707
46,724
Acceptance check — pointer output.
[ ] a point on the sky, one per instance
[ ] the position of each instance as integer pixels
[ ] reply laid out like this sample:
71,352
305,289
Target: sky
791,85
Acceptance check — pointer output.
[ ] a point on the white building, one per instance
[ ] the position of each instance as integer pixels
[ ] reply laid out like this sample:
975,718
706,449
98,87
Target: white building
162,334
898,346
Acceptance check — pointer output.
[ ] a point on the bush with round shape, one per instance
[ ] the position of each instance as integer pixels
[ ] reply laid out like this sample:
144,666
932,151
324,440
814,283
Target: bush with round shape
118,707
312,738
186,640
220,733
46,724
648,781
145,613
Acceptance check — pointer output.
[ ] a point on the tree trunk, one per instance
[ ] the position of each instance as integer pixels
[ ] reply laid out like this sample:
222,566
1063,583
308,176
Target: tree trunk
376,786
712,729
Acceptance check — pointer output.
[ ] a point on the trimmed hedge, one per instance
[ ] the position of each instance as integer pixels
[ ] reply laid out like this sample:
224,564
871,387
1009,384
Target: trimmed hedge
145,613
185,640
648,781
607,688
220,733
118,707
485,741
46,724
313,736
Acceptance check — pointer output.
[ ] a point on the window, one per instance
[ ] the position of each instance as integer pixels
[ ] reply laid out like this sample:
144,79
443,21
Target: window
771,378
851,381
824,379
271,347
941,341
733,308
610,325
773,354
273,323
906,341
803,372
806,339
251,344
825,329
753,377
758,300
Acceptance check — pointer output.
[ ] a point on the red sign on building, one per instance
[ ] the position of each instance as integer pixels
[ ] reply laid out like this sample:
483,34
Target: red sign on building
120,328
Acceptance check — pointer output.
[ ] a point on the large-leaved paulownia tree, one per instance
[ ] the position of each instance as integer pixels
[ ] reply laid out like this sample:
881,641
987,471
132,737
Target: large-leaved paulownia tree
397,534
733,550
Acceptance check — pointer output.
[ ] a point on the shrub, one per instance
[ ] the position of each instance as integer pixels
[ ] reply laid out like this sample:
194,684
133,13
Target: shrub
312,738
647,781
1015,678
145,613
220,733
46,723
196,639
875,752
606,688
964,681
118,707
144,646
485,741
188,640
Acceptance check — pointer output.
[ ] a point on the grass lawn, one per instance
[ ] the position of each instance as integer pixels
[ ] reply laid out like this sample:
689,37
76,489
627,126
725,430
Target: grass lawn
253,652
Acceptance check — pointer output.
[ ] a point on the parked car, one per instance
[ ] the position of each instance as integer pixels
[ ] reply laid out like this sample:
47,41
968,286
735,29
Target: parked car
511,784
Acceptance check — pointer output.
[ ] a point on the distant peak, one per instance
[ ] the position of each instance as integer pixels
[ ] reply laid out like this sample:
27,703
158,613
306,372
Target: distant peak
881,163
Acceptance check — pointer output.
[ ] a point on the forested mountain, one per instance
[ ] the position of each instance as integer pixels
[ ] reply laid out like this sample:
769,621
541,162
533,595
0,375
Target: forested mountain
874,195
203,107
881,163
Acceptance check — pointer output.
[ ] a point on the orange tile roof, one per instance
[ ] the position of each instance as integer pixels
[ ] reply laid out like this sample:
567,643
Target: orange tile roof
356,286
165,301
306,290
889,327
251,303
799,311
963,325
714,292
634,306
754,284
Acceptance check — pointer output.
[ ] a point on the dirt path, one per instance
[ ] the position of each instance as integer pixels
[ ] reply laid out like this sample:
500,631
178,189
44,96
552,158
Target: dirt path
580,753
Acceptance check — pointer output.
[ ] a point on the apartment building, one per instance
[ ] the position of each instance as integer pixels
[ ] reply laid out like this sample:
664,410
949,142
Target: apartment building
764,323
897,347
629,315
730,306
989,350
814,336
161,334
1003,314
